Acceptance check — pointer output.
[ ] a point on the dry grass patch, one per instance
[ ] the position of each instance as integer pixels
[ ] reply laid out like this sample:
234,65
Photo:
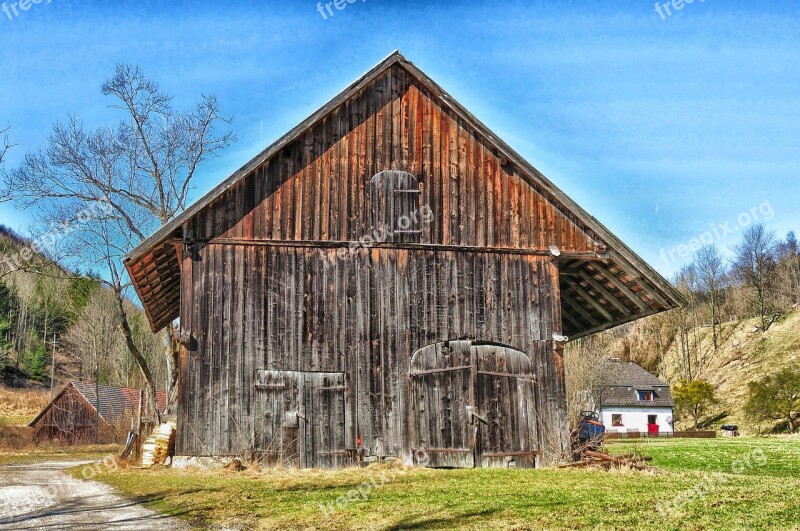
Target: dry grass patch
17,408
17,403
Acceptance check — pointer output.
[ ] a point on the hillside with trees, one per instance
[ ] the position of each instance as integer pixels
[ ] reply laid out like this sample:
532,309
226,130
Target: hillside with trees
48,312
741,325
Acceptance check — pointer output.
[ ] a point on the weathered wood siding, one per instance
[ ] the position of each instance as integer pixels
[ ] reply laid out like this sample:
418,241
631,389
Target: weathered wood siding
271,283
317,189
305,311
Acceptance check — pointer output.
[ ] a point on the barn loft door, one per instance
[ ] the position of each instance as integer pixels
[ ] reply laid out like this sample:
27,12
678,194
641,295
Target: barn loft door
395,203
300,418
473,406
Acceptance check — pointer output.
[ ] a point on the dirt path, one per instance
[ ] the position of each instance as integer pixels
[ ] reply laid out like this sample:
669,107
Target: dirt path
42,496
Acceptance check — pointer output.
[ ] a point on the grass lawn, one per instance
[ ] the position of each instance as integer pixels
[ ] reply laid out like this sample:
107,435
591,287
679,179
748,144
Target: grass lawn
762,490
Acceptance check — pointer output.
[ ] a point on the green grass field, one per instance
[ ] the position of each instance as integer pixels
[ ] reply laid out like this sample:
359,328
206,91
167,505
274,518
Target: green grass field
755,485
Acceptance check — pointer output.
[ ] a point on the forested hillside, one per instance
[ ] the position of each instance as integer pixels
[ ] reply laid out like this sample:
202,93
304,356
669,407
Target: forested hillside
47,310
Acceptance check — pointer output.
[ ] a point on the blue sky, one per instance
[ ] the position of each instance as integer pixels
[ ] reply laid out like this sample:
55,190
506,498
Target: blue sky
662,128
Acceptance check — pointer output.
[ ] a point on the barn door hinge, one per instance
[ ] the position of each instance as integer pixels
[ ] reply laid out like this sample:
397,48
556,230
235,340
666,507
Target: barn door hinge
474,413
333,388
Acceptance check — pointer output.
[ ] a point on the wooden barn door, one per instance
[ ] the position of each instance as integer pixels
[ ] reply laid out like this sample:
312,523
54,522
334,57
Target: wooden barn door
324,443
473,406
505,414
441,391
300,418
276,429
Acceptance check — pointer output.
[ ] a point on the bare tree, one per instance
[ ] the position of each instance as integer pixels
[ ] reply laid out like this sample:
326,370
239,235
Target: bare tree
95,349
587,371
110,187
710,274
755,265
789,270
5,146
686,283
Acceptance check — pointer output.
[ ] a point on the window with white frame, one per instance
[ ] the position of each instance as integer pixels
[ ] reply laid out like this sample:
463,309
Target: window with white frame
645,396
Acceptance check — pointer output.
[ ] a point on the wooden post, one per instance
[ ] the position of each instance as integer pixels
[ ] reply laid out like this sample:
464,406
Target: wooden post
52,368
138,442
97,407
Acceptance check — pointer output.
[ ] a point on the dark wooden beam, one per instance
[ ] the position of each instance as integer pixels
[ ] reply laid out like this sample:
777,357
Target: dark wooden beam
599,288
592,302
621,286
654,293
611,325
338,244
572,322
578,309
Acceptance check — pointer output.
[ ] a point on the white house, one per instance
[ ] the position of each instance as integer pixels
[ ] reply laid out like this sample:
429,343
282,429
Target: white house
633,400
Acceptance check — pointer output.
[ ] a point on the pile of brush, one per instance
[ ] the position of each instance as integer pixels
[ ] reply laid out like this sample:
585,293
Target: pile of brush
594,459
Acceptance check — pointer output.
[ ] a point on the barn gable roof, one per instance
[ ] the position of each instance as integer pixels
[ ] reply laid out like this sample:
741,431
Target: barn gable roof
596,294
115,402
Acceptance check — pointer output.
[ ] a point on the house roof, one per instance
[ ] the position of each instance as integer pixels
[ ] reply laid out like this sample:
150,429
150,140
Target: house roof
596,295
115,402
625,378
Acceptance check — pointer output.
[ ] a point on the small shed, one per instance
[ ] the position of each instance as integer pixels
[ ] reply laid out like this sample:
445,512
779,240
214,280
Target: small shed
71,416
636,401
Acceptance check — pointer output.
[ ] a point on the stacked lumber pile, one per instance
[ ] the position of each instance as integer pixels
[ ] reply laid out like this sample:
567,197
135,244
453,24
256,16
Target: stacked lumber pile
593,459
156,448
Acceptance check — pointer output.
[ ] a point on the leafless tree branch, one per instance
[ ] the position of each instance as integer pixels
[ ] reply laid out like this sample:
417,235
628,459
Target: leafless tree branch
141,171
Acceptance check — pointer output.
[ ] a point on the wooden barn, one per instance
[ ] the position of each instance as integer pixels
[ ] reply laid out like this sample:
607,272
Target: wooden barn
387,279
72,416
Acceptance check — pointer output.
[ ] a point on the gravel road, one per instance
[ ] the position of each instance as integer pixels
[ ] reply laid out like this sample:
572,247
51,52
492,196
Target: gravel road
43,496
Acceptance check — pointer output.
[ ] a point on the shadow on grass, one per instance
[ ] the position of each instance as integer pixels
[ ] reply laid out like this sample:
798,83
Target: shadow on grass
450,522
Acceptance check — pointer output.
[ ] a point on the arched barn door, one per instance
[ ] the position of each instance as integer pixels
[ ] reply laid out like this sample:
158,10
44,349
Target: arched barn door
473,406
506,414
442,389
